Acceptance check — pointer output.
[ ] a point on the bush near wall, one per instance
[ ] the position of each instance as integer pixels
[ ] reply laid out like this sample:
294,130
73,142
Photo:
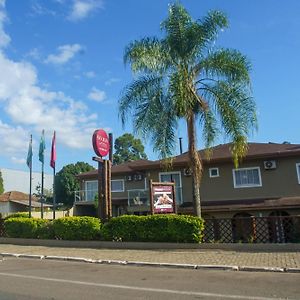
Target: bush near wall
23,227
18,215
154,228
76,228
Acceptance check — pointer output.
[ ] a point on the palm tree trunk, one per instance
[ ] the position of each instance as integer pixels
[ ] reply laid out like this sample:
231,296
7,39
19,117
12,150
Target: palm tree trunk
195,163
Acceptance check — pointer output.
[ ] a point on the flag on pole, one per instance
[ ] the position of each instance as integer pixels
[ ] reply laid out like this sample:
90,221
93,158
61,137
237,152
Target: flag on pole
29,154
42,147
53,152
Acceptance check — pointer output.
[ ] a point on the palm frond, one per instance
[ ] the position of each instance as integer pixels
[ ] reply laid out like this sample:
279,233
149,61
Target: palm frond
236,110
210,130
147,55
210,26
137,93
176,27
225,63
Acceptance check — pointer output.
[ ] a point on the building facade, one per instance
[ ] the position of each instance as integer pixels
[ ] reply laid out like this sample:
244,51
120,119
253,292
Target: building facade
266,183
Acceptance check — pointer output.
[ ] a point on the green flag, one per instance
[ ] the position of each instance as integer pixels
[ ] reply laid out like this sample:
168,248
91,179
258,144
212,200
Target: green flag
42,147
29,154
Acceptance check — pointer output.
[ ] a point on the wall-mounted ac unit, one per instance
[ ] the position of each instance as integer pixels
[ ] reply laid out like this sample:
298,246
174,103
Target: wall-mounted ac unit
270,164
187,172
129,178
138,177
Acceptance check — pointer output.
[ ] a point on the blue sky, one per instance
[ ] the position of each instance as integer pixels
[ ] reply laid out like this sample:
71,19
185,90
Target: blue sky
61,68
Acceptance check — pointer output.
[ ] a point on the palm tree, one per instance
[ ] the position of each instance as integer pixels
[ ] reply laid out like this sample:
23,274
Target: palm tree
184,76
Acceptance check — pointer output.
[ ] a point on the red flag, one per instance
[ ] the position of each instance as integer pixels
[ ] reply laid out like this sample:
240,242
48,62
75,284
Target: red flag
53,152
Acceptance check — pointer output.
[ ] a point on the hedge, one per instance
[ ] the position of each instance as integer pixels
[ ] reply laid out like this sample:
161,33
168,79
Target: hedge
76,228
18,215
154,228
24,227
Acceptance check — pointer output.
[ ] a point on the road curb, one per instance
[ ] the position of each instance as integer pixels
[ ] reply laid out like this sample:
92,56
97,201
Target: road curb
218,267
154,264
261,269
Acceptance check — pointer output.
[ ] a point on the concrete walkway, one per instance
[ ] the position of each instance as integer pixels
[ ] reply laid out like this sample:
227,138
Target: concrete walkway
288,261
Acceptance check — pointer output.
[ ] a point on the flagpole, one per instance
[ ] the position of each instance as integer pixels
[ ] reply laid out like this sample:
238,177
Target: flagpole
54,200
30,181
42,193
41,159
52,165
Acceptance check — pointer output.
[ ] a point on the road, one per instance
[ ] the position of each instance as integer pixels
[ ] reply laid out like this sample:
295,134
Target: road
48,279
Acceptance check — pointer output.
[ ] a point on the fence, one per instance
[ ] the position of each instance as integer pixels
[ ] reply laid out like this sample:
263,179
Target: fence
245,230
283,229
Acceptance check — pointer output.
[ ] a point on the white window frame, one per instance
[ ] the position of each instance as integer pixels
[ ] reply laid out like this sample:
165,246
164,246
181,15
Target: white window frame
85,188
123,185
180,181
210,174
246,185
146,183
298,171
167,173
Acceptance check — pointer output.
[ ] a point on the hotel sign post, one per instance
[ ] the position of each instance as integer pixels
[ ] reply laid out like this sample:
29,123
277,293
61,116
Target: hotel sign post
162,197
102,145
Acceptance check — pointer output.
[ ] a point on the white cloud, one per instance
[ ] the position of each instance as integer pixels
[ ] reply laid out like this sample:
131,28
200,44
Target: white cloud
83,8
34,53
65,53
4,38
35,108
27,107
19,161
97,95
39,9
12,139
112,81
90,74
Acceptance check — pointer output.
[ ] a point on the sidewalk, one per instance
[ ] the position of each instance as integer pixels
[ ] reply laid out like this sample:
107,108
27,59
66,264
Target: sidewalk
284,261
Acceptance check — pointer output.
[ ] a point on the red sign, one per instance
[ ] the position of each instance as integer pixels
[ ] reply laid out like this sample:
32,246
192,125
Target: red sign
163,199
101,142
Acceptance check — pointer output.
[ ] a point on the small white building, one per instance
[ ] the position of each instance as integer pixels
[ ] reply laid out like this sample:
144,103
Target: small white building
16,180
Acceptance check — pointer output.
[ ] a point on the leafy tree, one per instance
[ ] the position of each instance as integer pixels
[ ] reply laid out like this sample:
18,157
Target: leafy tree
184,76
48,193
128,148
66,182
1,184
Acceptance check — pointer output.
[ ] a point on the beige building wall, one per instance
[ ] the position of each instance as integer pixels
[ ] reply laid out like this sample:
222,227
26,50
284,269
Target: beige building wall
279,182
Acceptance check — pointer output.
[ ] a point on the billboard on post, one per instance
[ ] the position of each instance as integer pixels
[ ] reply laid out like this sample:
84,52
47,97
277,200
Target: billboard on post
163,198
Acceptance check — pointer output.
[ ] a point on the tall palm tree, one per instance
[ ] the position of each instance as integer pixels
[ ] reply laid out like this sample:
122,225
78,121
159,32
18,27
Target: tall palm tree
185,76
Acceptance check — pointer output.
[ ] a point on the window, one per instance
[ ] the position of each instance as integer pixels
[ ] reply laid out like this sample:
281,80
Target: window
298,171
91,188
246,177
214,172
176,177
117,185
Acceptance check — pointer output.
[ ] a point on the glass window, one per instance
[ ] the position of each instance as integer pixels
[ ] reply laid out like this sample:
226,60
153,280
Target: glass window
214,172
117,185
91,188
298,171
248,177
173,176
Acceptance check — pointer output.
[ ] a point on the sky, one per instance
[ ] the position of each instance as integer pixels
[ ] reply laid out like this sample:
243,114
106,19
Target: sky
61,68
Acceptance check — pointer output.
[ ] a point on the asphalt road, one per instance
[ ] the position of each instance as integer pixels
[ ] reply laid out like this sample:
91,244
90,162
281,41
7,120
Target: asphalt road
42,279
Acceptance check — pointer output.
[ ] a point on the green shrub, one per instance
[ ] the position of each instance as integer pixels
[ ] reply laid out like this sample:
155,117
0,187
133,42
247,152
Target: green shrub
76,228
23,227
45,231
154,228
18,215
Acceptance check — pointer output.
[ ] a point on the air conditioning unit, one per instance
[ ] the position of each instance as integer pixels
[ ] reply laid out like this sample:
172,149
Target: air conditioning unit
187,172
129,177
270,164
138,177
